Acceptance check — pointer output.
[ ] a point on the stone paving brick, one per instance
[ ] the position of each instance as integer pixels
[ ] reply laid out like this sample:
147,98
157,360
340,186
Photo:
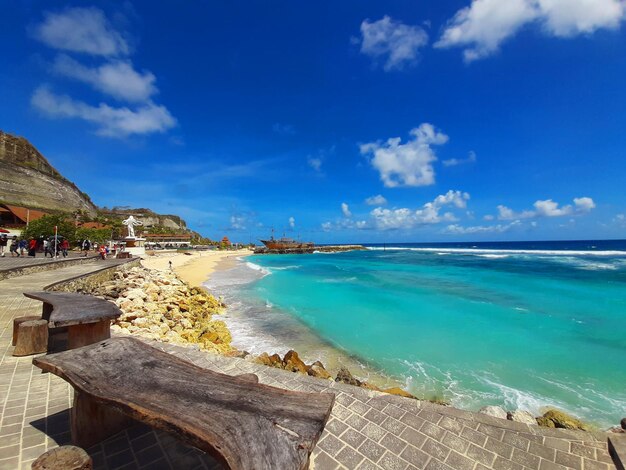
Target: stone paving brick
367,465
503,464
594,465
413,437
371,450
323,461
480,455
394,411
373,431
547,465
496,433
353,438
392,462
437,465
542,451
411,420
432,430
356,421
499,448
459,462
335,427
435,449
455,443
514,439
330,444
569,460
583,451
393,425
349,457
525,459
393,444
415,457
474,436
451,425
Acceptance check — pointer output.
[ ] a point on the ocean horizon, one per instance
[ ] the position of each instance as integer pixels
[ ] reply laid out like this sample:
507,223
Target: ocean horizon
522,325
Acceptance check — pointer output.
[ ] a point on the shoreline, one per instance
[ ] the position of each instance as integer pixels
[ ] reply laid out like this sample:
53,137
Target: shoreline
196,267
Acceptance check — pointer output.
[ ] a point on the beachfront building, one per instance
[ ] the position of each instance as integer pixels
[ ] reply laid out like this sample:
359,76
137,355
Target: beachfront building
163,240
16,218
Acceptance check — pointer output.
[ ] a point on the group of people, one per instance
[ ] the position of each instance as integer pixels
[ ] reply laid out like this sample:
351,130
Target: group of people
48,246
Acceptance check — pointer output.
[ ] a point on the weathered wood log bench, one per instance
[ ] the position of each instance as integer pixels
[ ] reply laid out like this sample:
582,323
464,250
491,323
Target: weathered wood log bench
86,319
244,424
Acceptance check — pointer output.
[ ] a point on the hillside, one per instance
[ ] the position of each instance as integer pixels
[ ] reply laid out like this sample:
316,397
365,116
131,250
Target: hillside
27,179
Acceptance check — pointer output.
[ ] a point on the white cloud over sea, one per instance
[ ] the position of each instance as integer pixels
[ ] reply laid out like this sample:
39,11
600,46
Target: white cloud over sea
408,164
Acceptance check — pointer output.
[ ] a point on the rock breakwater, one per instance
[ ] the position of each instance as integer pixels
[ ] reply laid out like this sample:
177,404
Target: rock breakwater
158,305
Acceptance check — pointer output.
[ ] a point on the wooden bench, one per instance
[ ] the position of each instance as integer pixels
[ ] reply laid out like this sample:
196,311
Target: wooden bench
244,424
87,319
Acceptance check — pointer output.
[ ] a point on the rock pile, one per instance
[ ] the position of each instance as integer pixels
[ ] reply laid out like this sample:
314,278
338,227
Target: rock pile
551,418
158,305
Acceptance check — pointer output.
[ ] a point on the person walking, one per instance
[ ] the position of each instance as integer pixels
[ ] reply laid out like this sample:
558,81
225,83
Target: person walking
103,251
13,247
32,247
23,246
86,246
65,245
3,244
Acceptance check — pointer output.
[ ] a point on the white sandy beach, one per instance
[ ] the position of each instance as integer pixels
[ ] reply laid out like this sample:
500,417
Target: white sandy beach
196,267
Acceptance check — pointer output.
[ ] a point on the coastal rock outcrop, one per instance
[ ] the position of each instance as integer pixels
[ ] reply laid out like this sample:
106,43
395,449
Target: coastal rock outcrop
558,419
292,362
158,305
344,375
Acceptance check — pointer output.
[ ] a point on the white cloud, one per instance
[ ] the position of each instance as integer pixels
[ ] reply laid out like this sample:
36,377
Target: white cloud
315,163
565,18
488,217
118,78
83,30
345,210
378,200
403,218
584,204
505,213
292,222
237,222
393,42
471,158
429,213
548,208
408,164
456,229
484,25
111,121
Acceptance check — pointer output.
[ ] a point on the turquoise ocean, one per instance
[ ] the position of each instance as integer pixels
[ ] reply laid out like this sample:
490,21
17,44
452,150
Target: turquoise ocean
521,325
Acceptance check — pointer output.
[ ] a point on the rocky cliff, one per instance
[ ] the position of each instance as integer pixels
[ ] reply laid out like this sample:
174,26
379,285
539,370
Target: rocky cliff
27,179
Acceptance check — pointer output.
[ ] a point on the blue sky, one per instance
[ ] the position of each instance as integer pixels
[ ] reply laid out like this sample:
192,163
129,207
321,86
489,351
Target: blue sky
353,122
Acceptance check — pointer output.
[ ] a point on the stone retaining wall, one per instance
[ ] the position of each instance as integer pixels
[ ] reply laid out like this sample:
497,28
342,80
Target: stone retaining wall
40,267
92,280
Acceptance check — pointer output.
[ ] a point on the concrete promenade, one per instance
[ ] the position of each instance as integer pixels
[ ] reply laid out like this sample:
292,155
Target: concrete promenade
366,429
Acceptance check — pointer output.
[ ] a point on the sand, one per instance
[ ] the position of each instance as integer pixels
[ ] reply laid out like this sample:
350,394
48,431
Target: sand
197,267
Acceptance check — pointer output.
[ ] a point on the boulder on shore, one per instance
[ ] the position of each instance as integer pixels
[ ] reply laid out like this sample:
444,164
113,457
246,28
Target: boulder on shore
560,419
399,392
293,363
495,411
520,416
318,370
344,375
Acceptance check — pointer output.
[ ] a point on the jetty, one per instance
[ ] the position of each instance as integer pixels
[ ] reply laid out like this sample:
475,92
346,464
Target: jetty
308,249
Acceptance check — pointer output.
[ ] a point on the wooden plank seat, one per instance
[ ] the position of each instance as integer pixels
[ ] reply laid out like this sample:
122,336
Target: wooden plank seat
244,424
87,319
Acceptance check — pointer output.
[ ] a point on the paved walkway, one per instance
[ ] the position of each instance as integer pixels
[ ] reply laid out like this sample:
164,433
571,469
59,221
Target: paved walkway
366,429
